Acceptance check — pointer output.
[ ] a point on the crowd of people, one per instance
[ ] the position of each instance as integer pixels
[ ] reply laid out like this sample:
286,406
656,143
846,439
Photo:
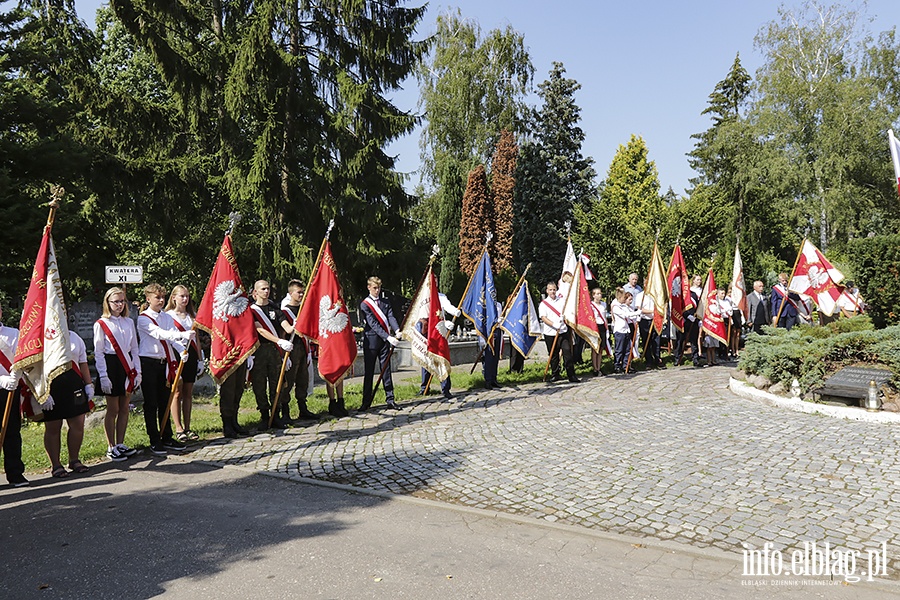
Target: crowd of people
161,345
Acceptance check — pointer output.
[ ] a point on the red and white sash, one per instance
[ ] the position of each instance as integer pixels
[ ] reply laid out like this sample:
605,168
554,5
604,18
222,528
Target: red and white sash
290,319
551,307
598,314
260,317
377,312
194,343
783,294
172,364
130,371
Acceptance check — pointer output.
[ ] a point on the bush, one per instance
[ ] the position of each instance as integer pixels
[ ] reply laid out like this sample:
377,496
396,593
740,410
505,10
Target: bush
811,353
876,264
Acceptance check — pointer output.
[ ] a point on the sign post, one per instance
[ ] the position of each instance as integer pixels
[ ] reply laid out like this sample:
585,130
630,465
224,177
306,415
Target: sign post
124,274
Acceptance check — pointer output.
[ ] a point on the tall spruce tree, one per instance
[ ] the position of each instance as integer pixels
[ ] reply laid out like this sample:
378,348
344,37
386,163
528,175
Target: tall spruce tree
293,97
552,178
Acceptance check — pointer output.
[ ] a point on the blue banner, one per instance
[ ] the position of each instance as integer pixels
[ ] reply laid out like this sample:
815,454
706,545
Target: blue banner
521,322
480,303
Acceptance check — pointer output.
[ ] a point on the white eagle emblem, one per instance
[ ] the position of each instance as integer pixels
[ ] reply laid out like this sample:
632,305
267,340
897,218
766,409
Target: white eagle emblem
676,287
228,301
331,319
817,276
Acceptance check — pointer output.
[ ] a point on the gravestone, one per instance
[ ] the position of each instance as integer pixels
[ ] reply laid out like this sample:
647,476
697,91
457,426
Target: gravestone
82,316
853,383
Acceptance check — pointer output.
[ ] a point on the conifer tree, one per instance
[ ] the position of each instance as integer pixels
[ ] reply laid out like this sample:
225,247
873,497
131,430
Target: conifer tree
503,184
476,220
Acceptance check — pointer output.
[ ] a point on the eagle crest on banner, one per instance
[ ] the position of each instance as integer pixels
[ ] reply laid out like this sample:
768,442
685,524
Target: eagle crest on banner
676,286
817,276
331,319
228,301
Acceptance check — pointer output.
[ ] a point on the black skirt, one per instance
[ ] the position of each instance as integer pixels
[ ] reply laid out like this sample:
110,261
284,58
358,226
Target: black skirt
116,373
189,372
69,399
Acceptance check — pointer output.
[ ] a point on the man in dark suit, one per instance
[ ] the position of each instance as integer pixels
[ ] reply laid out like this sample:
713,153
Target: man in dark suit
759,308
379,326
783,303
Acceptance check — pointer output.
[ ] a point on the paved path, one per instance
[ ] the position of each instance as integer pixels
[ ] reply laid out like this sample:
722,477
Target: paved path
671,455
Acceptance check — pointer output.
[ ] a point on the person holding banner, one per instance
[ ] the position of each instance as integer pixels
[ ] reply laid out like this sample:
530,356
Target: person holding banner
181,308
160,347
379,326
624,318
647,307
71,394
784,304
270,326
421,327
556,334
296,377
599,308
118,369
10,387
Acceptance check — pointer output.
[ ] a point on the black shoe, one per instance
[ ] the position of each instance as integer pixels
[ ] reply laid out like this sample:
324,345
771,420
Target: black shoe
496,385
366,405
158,450
174,445
574,379
392,405
237,427
17,481
557,378
696,363
448,396
306,414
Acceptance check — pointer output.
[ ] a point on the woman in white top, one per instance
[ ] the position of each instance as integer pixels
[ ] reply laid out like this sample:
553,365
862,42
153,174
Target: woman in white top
119,371
72,393
181,308
623,315
726,307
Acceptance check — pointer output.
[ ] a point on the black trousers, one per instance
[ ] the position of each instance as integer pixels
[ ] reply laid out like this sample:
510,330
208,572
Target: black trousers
651,356
264,376
12,444
156,397
230,392
376,349
564,345
297,377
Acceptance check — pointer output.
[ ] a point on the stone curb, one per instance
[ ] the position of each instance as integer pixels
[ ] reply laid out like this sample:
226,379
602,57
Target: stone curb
746,390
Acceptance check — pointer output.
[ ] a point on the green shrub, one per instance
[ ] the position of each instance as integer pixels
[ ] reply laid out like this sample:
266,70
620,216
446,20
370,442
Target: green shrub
876,266
811,353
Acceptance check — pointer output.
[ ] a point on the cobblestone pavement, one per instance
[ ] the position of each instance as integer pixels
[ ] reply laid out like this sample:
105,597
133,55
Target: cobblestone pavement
670,455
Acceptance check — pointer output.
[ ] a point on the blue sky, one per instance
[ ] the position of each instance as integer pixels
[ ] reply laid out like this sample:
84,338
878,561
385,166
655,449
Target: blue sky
645,68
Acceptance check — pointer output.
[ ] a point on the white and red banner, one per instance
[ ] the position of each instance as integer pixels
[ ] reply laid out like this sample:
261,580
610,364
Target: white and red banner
815,276
225,315
43,351
429,346
679,288
577,310
738,286
895,156
324,319
713,323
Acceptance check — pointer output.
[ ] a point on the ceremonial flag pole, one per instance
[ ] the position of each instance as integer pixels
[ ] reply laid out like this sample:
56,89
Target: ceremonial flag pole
786,291
405,317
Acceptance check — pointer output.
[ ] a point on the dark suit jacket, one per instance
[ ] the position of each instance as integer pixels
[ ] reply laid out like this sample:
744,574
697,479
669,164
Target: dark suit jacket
371,324
759,310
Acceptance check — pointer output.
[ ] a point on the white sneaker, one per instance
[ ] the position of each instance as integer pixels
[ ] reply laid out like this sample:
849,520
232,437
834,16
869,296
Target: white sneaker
125,450
115,455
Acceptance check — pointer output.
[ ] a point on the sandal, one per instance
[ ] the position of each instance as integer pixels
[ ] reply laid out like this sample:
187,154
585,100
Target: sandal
182,437
191,436
78,467
59,472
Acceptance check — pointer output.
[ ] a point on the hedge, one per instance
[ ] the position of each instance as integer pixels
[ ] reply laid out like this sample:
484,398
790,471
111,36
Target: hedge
875,263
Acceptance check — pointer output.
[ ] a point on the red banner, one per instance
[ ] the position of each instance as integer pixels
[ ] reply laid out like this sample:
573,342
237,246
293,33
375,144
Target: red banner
713,322
679,288
437,343
324,319
225,315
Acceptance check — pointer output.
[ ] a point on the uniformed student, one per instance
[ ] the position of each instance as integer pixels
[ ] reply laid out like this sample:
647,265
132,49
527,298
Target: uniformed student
271,326
181,308
645,304
624,317
9,382
598,306
553,326
379,336
297,377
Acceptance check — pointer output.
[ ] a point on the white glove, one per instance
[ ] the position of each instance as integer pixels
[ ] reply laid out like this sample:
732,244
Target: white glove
288,367
249,363
184,355
392,340
285,345
559,324
201,367
89,392
8,382
454,311
187,336
105,385
137,380
48,404
448,325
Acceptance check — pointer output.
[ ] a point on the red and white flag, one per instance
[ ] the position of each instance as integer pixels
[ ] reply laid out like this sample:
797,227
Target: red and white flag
815,276
713,323
577,310
679,289
895,156
224,314
738,287
43,351
324,319
429,346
